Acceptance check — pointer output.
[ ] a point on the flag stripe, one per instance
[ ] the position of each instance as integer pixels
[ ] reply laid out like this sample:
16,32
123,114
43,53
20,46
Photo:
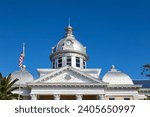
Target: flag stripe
21,59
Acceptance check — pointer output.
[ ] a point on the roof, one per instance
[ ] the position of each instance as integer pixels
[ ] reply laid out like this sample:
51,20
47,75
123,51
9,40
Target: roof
69,68
69,44
116,77
144,83
23,75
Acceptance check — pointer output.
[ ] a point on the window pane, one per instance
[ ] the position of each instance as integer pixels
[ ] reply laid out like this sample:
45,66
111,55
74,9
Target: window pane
60,62
77,62
111,98
126,98
83,63
59,65
69,60
77,65
69,64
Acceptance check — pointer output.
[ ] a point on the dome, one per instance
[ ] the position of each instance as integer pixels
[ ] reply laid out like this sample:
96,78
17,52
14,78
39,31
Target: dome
69,45
116,77
24,75
75,45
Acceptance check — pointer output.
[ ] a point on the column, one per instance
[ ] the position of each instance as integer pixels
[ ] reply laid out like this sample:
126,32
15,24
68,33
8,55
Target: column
33,97
78,97
56,97
101,97
135,97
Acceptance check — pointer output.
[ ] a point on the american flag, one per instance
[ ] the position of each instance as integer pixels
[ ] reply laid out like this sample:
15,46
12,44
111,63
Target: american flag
21,59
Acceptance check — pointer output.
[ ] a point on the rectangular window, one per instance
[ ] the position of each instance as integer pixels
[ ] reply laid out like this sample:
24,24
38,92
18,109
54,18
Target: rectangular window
69,60
84,64
77,62
126,98
111,98
59,62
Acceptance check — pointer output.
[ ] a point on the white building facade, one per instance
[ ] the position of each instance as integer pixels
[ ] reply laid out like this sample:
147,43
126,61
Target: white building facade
69,79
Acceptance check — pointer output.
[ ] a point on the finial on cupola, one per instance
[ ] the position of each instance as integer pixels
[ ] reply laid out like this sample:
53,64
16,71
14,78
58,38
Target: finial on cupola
69,29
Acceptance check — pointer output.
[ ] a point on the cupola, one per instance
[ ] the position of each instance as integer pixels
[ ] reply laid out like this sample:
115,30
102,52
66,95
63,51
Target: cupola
69,51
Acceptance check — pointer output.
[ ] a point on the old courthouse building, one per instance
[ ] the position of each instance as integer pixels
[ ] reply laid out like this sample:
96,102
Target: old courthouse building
70,79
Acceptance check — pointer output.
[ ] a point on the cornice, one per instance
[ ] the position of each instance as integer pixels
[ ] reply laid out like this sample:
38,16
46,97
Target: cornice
144,90
68,51
67,84
123,86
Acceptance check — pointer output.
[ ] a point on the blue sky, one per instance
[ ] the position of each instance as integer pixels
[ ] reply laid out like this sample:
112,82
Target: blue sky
114,32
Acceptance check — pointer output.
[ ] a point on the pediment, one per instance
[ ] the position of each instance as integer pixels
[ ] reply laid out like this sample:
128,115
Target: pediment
68,74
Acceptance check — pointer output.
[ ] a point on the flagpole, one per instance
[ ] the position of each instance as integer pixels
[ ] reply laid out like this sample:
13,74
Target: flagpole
24,49
20,83
21,68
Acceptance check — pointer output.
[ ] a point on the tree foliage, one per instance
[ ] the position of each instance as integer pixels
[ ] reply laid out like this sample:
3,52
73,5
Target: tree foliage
146,70
6,88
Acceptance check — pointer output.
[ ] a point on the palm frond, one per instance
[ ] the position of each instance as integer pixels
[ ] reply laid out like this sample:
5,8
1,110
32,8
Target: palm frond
6,88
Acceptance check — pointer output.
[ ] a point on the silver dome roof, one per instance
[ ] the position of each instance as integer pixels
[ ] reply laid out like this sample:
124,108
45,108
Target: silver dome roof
69,44
23,75
116,77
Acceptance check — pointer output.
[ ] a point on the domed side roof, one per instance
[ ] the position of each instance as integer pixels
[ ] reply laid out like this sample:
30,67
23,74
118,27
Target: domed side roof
116,77
69,44
23,75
